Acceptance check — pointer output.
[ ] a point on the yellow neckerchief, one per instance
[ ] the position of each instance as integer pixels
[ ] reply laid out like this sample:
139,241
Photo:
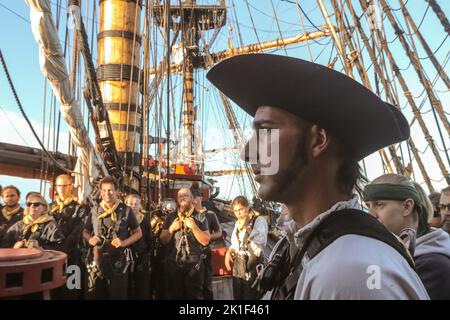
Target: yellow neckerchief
33,225
250,217
60,204
8,214
109,212
183,216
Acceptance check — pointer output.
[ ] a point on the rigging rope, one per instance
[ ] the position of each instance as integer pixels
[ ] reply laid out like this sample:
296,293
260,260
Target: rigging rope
5,69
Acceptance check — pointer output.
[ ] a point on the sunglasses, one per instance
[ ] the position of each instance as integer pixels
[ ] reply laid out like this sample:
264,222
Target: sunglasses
443,206
34,204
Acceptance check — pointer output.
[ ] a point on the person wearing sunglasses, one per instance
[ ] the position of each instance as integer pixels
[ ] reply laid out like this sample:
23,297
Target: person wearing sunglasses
436,220
444,207
37,229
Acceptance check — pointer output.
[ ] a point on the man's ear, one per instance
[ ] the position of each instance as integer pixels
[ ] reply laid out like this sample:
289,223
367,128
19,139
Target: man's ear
408,207
320,140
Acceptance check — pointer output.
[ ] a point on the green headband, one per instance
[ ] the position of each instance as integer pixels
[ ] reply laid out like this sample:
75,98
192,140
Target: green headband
386,191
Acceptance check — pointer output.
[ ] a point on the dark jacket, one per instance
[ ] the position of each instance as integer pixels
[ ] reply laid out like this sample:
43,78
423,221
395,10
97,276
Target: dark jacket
48,236
71,220
432,257
5,224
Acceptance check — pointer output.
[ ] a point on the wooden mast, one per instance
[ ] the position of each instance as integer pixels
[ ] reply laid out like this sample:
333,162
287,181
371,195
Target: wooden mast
119,46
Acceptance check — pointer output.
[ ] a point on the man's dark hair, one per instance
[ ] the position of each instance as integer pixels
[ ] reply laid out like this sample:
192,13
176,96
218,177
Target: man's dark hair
435,198
11,187
350,174
109,180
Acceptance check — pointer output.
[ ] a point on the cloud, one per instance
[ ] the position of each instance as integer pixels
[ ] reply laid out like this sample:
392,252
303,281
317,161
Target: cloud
15,130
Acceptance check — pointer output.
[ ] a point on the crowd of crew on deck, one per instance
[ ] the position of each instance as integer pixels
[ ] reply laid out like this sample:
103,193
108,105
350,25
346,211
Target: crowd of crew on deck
124,252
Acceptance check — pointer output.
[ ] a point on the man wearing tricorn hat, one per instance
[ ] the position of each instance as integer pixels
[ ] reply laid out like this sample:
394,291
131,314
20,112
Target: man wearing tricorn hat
325,122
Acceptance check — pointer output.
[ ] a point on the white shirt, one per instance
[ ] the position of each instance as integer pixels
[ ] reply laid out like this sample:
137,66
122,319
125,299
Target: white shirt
354,267
257,239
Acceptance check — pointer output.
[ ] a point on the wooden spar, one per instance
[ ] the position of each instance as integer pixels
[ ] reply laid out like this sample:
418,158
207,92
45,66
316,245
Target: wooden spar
338,44
440,14
269,45
253,48
26,162
425,46
119,46
226,172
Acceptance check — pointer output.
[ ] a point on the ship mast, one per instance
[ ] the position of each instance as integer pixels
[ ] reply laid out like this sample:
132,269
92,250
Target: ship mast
194,19
119,47
190,19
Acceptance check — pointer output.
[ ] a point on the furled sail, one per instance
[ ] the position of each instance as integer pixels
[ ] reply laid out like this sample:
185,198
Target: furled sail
52,63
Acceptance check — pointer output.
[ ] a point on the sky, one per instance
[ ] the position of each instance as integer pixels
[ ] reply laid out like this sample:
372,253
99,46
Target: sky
21,53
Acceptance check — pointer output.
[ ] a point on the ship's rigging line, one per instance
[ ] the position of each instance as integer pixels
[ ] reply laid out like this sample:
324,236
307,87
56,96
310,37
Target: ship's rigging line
19,104
434,101
411,102
253,23
278,25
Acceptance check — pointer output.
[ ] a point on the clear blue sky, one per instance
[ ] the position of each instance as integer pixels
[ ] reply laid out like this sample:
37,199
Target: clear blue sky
21,53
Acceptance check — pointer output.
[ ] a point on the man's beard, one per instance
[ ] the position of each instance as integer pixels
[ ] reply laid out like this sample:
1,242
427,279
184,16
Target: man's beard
287,176
11,206
446,224
185,207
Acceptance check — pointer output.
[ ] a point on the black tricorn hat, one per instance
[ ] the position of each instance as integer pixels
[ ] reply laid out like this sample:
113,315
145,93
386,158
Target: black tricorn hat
347,109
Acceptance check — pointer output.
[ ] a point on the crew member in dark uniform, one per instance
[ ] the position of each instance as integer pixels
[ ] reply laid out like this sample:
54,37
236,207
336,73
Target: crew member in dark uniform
158,280
185,233
140,273
70,217
110,229
37,229
12,212
216,233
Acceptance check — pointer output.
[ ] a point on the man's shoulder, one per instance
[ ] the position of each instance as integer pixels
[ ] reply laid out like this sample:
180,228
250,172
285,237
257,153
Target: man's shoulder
17,225
351,264
358,249
354,256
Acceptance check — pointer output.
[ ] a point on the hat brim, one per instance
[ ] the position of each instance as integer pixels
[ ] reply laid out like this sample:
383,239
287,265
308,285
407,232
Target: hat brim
348,110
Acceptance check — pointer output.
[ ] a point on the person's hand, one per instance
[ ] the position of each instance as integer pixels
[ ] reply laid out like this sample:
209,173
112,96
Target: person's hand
117,243
19,244
190,223
33,244
175,226
229,257
93,241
